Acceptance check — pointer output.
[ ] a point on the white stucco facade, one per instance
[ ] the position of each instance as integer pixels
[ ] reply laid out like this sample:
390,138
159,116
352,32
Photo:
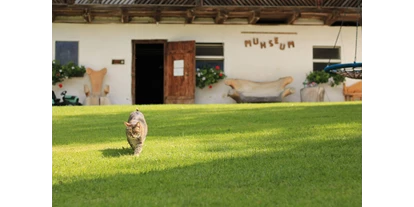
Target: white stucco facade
100,43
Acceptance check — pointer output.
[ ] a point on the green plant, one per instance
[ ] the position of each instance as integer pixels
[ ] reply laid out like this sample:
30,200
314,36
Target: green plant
208,76
62,72
232,156
319,77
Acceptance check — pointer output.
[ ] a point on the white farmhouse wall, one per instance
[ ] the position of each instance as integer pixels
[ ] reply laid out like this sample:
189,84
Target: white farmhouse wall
100,43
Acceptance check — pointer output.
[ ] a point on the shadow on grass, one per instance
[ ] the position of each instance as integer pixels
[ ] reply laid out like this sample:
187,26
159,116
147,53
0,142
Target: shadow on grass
195,120
117,152
325,173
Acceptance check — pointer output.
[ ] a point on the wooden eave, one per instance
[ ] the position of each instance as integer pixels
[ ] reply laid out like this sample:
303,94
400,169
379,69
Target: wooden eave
218,11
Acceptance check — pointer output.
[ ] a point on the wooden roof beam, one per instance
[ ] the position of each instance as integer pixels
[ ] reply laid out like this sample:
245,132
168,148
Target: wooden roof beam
157,15
190,16
87,16
125,18
254,17
331,18
337,16
293,18
221,16
315,15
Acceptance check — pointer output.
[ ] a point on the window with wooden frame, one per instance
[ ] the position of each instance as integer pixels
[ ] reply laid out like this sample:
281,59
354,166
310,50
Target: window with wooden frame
210,54
324,55
67,51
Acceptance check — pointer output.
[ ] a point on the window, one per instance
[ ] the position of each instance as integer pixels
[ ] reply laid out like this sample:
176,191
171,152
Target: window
324,55
209,54
67,51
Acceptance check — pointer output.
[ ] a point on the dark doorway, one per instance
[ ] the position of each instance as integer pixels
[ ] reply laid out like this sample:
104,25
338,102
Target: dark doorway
149,73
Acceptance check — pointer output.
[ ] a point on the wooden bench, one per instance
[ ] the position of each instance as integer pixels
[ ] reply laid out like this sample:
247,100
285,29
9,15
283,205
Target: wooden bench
353,92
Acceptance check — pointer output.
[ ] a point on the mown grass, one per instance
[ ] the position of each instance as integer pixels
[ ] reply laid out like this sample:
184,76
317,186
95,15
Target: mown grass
284,154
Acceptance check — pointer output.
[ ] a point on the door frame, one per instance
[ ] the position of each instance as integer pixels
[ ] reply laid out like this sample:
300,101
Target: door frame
133,75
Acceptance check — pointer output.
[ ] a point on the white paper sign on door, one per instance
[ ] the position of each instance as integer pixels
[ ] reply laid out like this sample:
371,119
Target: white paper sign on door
178,67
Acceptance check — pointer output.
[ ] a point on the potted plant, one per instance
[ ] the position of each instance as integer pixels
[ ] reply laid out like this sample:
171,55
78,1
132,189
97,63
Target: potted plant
310,93
317,77
62,72
208,75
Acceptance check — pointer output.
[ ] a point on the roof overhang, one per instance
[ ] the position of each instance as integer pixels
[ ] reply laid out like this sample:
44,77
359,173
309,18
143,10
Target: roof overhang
207,11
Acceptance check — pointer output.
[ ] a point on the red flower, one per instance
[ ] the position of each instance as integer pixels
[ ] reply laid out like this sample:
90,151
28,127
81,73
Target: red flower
60,85
221,74
217,67
210,86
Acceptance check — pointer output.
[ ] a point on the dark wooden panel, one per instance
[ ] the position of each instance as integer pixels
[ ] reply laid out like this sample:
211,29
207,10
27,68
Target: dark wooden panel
180,89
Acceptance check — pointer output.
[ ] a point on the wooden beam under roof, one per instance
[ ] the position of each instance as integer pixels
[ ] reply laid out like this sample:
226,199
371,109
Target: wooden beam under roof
254,16
218,3
87,16
331,18
220,11
166,9
125,18
190,16
293,17
157,15
221,16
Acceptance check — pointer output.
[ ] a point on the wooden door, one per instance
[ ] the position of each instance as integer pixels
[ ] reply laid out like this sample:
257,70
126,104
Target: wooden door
179,76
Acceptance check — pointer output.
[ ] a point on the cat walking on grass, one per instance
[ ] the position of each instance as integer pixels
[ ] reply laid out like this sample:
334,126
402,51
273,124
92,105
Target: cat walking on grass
136,131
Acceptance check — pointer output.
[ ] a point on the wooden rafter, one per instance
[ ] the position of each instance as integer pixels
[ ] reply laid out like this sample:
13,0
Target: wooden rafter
331,18
221,16
157,15
254,16
190,16
293,18
87,16
329,11
216,3
125,16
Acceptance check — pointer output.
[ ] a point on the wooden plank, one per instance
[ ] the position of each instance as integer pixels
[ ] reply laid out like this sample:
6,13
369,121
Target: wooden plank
246,32
180,89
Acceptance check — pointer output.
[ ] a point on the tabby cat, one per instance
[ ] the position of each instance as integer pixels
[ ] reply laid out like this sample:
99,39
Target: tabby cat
136,131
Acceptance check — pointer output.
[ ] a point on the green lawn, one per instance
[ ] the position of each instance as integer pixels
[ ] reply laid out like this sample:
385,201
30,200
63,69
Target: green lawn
281,154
